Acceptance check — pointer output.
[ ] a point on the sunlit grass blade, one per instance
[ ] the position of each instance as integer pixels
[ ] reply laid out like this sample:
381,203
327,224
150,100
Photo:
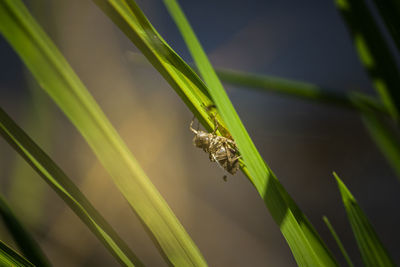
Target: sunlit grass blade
373,52
307,247
338,242
26,243
8,257
130,19
298,89
57,78
66,189
390,13
371,248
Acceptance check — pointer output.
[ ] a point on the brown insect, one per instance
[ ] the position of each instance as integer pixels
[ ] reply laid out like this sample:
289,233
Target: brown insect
220,149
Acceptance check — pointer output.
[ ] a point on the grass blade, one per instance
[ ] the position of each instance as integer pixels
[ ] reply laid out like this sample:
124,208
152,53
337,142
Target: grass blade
385,138
338,242
57,78
307,247
384,134
27,244
373,52
8,257
370,109
301,90
191,89
371,248
66,189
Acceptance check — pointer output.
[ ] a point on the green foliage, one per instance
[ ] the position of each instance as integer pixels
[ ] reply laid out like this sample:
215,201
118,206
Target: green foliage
57,78
307,247
8,257
298,89
66,189
27,244
373,52
371,248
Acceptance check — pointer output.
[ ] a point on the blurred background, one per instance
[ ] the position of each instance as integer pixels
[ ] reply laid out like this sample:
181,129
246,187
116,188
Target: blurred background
302,142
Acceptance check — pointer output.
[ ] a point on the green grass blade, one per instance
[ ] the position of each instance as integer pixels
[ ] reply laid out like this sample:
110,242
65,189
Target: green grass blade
307,247
338,242
8,257
27,244
373,52
383,133
390,13
298,89
57,78
370,109
66,189
371,248
191,89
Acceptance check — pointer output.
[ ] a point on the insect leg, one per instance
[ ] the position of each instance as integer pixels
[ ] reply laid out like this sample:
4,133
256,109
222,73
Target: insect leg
191,124
215,123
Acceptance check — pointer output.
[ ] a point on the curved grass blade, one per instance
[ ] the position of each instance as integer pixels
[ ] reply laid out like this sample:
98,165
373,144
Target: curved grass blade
302,90
66,189
371,248
373,52
57,78
306,245
27,244
8,257
338,242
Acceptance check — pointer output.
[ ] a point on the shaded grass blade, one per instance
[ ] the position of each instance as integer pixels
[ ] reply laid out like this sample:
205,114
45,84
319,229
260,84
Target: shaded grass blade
385,137
307,247
338,242
373,52
371,248
298,89
66,189
57,78
27,244
383,133
8,257
390,13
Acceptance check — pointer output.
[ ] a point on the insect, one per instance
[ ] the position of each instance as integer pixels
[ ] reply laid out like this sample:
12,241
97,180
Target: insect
221,150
